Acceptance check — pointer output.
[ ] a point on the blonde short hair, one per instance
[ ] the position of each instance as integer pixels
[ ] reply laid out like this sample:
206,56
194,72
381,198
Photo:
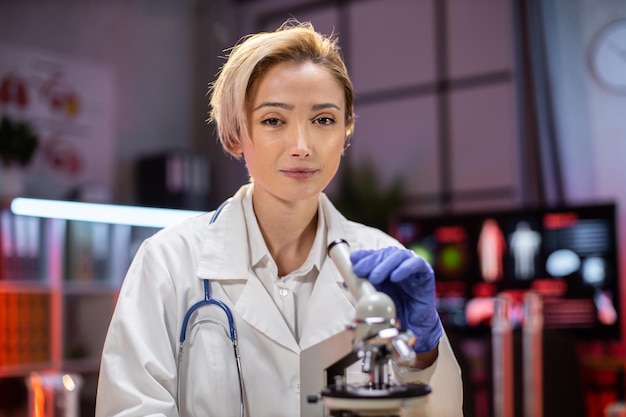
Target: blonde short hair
255,54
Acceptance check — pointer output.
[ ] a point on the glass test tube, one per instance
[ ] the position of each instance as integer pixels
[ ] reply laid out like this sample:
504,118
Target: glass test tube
502,346
532,351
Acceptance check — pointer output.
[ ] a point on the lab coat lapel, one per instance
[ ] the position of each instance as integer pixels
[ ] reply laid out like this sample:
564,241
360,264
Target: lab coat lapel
330,308
257,308
226,259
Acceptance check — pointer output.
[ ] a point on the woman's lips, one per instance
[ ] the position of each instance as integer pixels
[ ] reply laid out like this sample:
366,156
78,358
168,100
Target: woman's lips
299,173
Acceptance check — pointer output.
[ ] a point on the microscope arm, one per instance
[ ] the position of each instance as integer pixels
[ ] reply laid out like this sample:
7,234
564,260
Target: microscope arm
376,338
375,319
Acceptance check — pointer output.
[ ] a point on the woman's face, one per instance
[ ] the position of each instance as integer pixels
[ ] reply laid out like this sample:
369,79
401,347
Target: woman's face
297,131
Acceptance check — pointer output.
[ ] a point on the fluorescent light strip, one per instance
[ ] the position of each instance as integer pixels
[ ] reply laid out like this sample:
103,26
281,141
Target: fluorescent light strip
100,213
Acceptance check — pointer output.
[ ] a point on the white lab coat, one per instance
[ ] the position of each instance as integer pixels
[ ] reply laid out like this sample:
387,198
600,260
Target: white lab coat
139,366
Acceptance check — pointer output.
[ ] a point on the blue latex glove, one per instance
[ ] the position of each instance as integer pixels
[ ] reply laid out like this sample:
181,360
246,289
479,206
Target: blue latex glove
410,282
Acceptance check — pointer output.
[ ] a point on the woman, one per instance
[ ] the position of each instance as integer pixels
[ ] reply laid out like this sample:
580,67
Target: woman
284,103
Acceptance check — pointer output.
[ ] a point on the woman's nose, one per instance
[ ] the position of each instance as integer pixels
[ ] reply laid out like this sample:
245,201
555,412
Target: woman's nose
302,143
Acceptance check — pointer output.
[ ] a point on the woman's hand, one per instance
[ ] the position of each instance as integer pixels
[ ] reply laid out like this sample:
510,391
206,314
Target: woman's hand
410,282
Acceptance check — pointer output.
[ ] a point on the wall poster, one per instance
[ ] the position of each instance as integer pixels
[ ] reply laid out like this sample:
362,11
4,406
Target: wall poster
70,104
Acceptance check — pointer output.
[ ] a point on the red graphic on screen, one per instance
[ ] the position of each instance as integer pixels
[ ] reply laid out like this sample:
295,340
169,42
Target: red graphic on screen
491,249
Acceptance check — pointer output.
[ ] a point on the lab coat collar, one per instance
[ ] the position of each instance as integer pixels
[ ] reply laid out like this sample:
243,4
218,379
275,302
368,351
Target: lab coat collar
225,254
226,257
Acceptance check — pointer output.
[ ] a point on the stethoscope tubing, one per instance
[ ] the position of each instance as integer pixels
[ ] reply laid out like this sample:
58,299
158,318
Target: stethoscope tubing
207,301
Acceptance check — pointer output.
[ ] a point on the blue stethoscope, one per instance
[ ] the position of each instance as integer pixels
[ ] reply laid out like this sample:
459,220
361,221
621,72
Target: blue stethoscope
231,332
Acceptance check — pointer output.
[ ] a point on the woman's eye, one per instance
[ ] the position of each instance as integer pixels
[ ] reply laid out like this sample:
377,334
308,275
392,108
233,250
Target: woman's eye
324,120
272,121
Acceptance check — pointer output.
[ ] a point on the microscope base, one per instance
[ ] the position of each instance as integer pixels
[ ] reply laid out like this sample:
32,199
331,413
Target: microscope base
362,401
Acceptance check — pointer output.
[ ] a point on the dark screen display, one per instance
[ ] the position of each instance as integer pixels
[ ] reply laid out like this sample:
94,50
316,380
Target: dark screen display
568,255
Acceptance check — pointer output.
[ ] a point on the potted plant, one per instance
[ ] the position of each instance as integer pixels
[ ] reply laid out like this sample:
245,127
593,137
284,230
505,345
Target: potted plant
363,198
18,143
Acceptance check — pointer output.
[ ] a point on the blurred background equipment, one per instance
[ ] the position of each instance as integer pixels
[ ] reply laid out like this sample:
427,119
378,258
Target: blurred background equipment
176,179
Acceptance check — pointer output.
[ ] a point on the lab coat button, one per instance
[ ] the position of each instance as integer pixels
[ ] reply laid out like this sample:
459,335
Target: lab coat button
295,385
283,292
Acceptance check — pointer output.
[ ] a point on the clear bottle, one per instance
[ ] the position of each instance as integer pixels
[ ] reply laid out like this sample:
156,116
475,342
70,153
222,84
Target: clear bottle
54,394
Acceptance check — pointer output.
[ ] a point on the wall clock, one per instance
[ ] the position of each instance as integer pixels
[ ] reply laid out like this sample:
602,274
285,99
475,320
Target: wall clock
607,56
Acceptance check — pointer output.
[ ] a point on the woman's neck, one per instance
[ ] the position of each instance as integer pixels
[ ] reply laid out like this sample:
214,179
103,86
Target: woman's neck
288,229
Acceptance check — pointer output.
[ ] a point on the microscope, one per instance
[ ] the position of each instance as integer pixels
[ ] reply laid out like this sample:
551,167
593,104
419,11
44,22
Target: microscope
376,339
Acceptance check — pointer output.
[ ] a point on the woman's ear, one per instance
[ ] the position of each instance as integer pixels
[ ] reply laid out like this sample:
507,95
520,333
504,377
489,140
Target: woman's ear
346,144
236,150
